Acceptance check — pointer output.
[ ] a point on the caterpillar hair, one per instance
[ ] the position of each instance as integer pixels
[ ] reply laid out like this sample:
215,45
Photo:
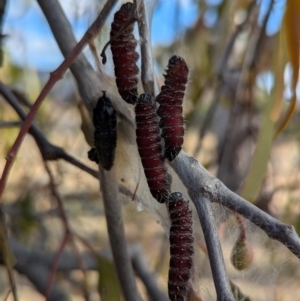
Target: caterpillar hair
181,247
150,148
170,109
123,46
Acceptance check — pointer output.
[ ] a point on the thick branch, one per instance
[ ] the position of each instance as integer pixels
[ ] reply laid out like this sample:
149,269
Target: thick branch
201,200
198,181
115,227
206,218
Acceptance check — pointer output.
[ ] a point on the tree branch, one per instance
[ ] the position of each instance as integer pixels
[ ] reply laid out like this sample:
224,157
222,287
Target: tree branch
116,232
199,181
10,124
201,200
109,185
215,255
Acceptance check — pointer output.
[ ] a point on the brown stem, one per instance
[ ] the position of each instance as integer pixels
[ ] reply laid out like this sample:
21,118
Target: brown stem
55,264
65,221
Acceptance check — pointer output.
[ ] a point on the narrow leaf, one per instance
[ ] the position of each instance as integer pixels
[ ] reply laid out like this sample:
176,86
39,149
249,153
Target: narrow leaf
108,285
291,25
256,174
279,85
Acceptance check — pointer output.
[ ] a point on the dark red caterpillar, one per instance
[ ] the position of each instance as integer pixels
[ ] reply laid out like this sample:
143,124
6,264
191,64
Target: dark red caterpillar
105,137
125,57
181,247
170,109
150,148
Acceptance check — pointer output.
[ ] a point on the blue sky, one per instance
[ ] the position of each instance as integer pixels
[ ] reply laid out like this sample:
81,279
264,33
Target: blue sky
31,43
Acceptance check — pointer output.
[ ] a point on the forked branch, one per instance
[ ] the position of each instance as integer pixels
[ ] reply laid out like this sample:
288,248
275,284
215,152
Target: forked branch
199,181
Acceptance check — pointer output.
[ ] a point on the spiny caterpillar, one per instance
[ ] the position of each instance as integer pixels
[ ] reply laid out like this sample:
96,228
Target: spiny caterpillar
170,109
105,136
123,46
181,247
150,148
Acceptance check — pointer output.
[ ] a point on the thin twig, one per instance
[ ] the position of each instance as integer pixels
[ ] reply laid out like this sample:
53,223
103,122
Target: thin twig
10,124
87,244
147,73
35,265
7,295
67,227
48,150
198,181
95,54
55,263
5,254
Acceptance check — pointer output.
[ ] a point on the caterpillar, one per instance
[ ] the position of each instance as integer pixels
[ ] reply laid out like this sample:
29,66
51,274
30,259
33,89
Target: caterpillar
123,46
181,247
170,109
150,148
105,136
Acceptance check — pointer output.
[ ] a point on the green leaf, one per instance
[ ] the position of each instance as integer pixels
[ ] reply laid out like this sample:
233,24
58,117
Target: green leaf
108,284
291,27
252,185
238,295
6,254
